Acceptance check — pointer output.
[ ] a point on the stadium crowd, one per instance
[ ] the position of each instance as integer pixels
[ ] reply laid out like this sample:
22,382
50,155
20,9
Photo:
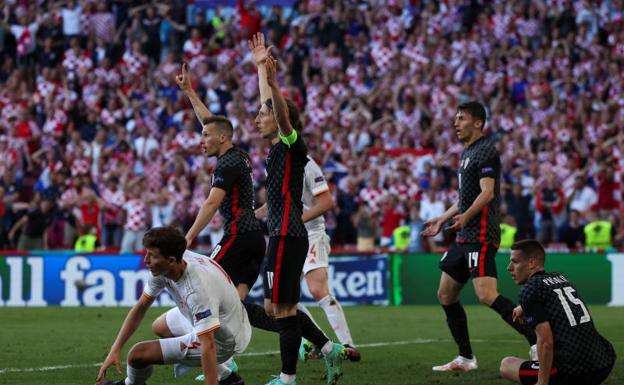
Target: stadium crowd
96,139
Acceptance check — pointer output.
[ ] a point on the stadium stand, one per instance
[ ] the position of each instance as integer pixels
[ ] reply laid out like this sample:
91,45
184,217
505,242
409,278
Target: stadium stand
92,122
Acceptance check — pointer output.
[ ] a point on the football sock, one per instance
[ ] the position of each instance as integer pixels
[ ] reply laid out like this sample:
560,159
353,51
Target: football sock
258,318
223,371
287,378
138,376
458,324
290,339
327,348
310,330
303,309
505,307
336,318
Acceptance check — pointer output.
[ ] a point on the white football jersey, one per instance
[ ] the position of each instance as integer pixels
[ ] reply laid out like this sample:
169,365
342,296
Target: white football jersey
314,183
206,296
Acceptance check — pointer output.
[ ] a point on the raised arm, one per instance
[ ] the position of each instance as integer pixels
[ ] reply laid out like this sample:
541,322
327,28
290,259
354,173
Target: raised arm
279,103
260,54
184,82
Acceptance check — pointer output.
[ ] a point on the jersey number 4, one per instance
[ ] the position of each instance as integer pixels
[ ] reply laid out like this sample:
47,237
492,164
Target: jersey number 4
575,301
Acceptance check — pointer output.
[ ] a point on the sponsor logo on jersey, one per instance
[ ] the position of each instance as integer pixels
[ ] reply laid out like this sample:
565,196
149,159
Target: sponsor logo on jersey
319,179
487,169
202,315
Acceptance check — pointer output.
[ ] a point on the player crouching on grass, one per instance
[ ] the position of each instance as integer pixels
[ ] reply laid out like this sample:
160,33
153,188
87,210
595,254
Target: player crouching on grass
569,349
205,297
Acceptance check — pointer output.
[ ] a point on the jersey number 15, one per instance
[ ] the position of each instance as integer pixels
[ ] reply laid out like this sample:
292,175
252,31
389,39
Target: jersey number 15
575,301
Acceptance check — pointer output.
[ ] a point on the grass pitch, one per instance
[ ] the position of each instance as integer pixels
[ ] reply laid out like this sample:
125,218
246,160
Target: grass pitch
398,344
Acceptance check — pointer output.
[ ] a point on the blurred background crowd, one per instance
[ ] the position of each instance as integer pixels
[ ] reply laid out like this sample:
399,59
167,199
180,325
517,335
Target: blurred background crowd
98,144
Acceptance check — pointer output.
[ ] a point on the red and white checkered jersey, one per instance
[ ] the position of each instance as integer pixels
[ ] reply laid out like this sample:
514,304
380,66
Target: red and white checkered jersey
80,166
55,123
136,215
135,63
110,77
115,198
103,26
383,57
77,63
192,48
188,140
373,197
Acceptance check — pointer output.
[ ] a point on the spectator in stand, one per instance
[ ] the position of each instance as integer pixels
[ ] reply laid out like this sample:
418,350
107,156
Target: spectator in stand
347,206
571,233
416,226
114,200
432,207
606,202
519,207
366,228
550,70
550,203
391,216
33,226
162,209
136,219
582,198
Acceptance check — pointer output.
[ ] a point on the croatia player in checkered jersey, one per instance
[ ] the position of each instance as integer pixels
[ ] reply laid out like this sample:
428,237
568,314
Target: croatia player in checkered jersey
231,193
570,350
317,200
277,121
476,218
210,325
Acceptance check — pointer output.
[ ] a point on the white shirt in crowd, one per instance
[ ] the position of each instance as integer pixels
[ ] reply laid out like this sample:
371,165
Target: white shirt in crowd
71,20
583,200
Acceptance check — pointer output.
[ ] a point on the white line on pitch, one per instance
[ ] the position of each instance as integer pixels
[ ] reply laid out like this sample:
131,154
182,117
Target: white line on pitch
249,354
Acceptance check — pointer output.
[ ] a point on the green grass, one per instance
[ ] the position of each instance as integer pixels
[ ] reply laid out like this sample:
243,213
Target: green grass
80,338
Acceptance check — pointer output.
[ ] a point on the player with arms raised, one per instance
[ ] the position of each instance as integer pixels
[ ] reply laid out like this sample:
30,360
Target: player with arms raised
278,121
241,250
476,218
208,301
569,349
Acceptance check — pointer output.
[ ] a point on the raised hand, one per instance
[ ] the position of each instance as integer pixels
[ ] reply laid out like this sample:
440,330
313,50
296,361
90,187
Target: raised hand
184,79
271,68
258,50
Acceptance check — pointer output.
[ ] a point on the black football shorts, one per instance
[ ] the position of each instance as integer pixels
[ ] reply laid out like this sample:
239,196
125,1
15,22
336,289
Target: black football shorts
241,255
282,273
529,370
469,260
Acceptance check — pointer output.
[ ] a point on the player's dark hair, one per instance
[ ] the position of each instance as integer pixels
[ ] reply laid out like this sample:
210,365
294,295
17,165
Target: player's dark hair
168,240
293,113
475,109
222,123
530,248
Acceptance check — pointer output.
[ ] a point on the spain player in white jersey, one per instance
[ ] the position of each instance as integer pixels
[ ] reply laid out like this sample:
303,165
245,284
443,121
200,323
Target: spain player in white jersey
208,326
317,200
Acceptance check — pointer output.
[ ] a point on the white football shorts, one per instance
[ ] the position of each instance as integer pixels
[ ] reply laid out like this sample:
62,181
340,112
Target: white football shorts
318,253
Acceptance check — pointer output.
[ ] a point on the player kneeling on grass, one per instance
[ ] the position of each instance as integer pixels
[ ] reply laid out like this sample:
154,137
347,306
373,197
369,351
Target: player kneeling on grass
204,295
569,349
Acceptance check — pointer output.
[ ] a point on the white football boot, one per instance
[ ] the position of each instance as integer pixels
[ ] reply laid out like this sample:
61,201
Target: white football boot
459,364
